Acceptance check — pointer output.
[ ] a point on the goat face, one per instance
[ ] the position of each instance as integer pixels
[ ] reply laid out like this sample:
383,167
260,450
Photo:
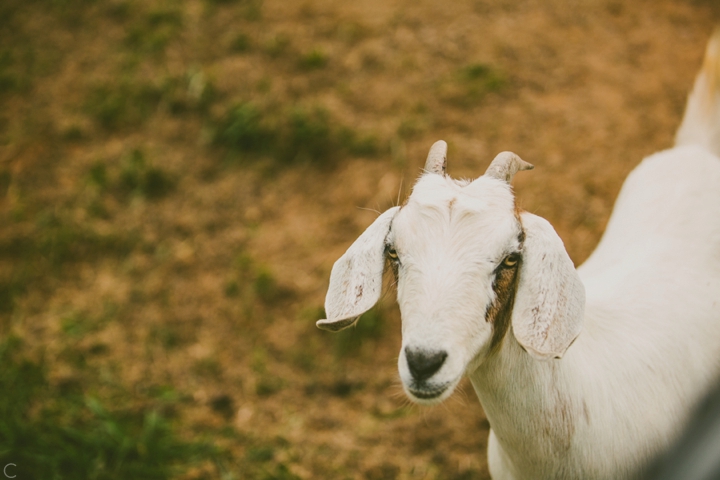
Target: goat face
468,266
456,249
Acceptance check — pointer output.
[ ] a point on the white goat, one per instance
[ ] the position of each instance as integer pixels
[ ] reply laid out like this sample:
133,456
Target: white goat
642,314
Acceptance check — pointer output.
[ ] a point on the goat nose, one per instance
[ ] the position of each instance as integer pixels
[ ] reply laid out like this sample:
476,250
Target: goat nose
424,363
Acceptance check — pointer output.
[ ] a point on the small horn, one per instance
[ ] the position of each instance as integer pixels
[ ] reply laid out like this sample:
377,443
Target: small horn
505,165
437,158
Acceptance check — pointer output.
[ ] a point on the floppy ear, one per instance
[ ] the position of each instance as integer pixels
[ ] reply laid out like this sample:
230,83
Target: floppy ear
550,299
356,278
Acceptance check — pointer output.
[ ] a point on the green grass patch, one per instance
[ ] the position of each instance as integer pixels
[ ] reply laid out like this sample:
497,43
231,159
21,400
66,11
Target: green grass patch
152,32
314,59
241,43
139,177
472,83
39,252
277,45
133,176
58,240
369,327
47,434
122,105
297,135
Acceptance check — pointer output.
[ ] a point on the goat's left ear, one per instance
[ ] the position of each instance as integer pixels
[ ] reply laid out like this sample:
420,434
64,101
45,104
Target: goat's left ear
550,299
356,278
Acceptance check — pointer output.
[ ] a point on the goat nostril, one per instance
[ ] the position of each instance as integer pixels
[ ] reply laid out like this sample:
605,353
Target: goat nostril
423,364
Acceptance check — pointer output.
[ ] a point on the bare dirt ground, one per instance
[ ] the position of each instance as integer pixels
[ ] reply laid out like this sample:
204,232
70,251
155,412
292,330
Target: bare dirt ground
178,177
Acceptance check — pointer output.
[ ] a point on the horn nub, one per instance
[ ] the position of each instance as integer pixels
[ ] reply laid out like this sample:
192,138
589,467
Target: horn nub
505,165
437,158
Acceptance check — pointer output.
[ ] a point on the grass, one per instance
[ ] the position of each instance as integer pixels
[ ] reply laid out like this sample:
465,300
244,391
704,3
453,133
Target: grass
56,239
55,436
369,327
129,103
53,241
134,176
296,135
241,43
472,83
152,32
314,59
139,177
115,106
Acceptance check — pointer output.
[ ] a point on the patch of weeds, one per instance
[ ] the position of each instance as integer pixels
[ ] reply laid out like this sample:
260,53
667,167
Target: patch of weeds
48,434
484,77
301,135
123,105
98,176
170,336
266,286
409,128
193,92
241,43
245,129
232,288
314,59
305,358
351,32
138,177
9,291
281,472
153,32
73,133
369,326
268,385
223,404
260,454
277,45
165,393
60,240
118,11
134,176
8,81
258,361
253,10
5,181
78,324
473,83
310,136
13,77
358,144
207,367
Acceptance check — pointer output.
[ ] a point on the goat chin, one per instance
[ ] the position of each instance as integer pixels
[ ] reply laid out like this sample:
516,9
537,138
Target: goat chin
583,373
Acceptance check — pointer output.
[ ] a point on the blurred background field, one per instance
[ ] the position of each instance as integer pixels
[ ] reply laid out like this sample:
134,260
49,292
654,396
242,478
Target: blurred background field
178,177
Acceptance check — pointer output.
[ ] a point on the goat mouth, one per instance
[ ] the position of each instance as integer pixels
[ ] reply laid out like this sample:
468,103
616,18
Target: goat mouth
427,393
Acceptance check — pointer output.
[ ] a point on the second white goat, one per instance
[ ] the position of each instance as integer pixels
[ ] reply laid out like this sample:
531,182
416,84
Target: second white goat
583,374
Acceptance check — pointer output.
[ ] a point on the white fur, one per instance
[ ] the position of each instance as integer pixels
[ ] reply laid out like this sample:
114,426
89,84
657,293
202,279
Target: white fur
646,325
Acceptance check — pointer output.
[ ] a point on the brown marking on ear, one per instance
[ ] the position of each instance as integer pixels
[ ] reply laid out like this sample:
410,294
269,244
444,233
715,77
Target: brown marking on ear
500,311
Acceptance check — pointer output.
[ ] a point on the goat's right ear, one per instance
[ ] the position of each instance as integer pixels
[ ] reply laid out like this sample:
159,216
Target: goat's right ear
356,278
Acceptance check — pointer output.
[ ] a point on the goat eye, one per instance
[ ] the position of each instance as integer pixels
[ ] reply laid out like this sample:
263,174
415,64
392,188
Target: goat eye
392,253
511,260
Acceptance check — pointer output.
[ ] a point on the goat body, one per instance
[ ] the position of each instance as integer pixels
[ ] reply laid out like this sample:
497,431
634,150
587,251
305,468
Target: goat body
489,292
650,344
